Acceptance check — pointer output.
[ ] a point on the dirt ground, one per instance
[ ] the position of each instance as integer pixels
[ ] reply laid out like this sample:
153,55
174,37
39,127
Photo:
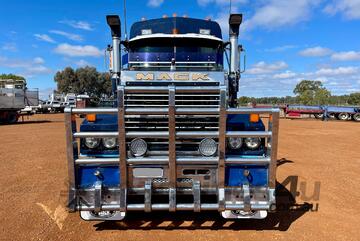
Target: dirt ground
319,164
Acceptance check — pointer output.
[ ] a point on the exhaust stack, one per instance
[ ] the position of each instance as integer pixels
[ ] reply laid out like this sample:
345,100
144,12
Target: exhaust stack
115,26
234,23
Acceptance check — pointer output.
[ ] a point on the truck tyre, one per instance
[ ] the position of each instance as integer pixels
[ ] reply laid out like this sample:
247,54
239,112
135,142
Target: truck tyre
12,117
356,117
319,116
343,116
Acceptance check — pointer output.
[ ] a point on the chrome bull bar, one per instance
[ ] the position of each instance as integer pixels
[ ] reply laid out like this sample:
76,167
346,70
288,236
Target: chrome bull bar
172,160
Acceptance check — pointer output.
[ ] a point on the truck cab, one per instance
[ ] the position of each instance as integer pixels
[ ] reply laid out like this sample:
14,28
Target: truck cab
176,140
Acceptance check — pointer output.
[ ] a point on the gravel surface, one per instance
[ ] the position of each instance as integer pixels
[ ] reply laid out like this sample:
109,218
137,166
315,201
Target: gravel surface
312,155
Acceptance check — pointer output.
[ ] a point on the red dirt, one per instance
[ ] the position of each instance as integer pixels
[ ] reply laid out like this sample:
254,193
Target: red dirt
33,177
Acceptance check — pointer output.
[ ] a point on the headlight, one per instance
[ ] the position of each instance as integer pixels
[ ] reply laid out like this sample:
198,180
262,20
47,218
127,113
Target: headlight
109,142
252,142
92,142
207,147
235,143
138,147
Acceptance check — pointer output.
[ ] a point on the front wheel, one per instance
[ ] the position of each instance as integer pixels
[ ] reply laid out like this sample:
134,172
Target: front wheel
239,214
319,116
343,116
102,215
356,117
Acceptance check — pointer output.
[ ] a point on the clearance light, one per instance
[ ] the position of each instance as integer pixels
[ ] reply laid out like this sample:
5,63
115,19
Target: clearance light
175,31
254,118
174,15
91,117
146,31
205,31
165,16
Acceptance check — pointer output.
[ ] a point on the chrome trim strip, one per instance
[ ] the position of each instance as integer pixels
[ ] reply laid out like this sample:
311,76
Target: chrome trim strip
222,148
165,89
247,161
179,161
252,110
95,111
95,134
147,196
180,207
248,133
122,148
172,150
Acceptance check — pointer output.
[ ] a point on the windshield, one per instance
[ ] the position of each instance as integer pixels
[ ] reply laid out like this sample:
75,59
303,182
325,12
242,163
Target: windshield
188,53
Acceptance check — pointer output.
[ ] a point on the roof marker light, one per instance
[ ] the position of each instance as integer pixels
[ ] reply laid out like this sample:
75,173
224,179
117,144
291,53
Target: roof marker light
205,31
146,31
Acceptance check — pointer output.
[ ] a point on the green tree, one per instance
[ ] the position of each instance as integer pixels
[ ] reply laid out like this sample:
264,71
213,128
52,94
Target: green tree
11,76
354,99
310,92
85,80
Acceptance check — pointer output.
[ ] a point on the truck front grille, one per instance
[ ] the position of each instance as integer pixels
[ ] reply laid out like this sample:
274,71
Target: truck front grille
195,122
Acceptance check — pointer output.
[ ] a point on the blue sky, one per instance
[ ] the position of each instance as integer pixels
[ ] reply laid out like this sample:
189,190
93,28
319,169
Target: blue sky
286,41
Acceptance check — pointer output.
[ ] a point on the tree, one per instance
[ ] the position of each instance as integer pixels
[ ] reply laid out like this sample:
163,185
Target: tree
312,92
67,81
11,76
354,99
85,80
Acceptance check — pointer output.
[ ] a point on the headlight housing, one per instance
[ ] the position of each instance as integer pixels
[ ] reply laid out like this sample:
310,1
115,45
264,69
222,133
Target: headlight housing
208,147
235,143
252,142
138,147
92,142
109,143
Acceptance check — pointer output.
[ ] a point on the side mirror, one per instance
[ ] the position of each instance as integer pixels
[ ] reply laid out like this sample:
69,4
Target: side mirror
240,50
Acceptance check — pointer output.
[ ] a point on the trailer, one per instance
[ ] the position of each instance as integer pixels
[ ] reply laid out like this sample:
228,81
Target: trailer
14,96
175,140
324,112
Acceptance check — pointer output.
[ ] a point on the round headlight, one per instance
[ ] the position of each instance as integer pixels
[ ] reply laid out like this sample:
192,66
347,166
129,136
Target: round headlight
109,142
235,143
92,142
138,147
252,142
207,147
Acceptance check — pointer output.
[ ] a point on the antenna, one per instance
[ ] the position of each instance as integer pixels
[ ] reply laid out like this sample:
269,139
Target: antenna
230,7
125,22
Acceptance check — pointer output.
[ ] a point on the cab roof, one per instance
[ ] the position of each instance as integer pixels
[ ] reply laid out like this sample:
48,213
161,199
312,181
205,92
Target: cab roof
181,24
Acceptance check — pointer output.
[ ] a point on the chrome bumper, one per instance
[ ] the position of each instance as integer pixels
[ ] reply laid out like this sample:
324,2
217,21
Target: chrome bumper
246,198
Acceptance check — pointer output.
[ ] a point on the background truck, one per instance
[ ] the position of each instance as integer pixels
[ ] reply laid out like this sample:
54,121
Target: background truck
14,96
176,139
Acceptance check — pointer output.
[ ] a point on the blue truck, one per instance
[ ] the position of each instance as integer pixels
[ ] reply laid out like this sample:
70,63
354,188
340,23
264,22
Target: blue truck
174,139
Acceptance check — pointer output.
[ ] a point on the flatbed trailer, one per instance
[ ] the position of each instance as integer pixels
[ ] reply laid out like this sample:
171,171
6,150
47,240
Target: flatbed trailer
324,112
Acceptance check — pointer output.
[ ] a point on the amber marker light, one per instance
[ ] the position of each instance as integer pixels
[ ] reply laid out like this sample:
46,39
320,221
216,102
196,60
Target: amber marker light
91,117
254,117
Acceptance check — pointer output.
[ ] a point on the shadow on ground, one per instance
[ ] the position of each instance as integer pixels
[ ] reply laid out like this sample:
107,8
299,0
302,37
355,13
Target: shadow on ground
287,212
